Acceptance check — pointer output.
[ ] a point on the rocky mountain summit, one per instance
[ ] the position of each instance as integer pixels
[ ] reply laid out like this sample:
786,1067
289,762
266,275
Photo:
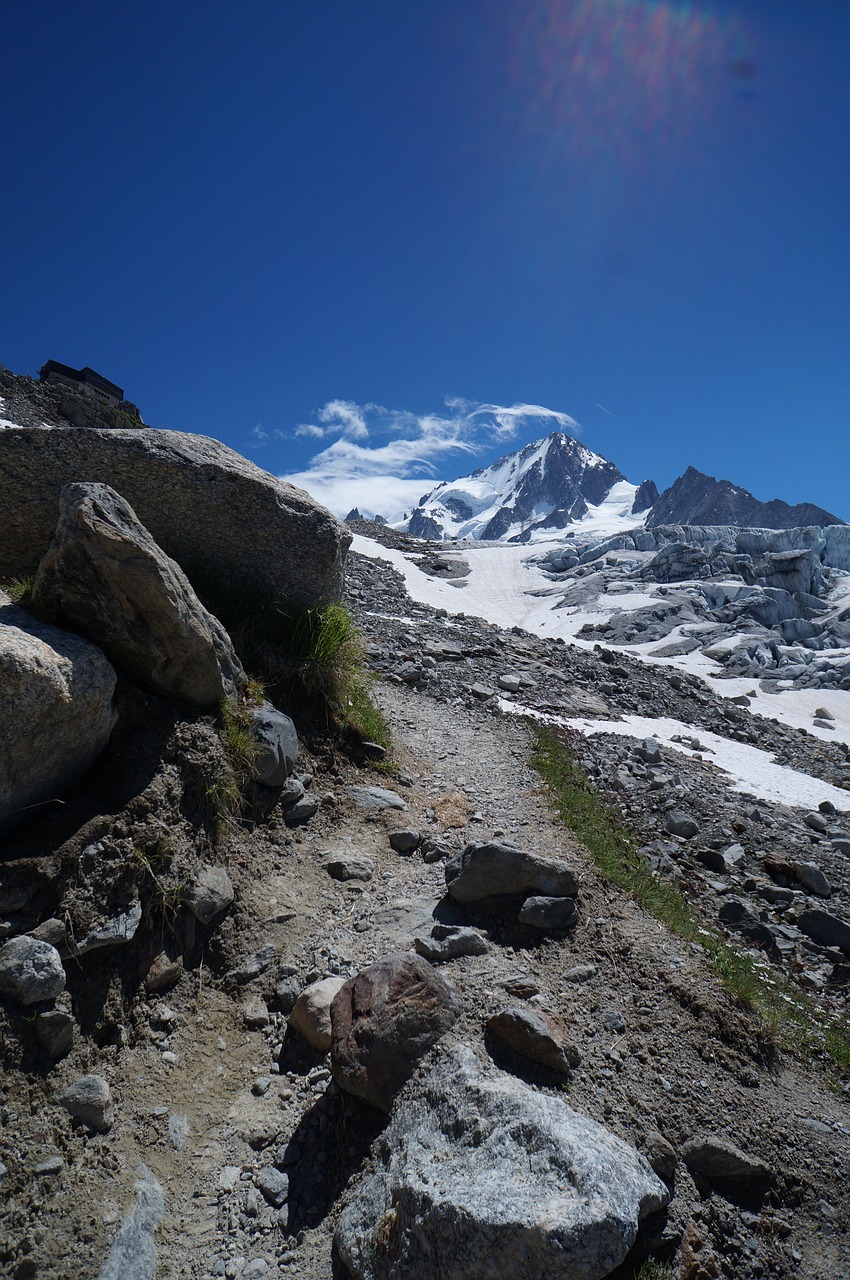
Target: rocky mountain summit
556,483
276,1001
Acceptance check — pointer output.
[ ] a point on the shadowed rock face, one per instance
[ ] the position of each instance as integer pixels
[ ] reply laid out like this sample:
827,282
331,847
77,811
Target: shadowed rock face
201,502
106,575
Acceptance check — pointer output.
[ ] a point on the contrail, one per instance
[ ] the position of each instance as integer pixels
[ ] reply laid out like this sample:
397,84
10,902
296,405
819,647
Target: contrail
604,410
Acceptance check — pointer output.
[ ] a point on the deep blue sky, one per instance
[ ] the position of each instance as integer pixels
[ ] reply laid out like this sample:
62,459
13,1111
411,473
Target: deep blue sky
241,213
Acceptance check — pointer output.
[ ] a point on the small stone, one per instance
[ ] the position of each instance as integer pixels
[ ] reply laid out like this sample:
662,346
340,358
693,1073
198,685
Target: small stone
552,914
661,1155
30,971
816,822
716,1158
311,1013
255,1015
405,841
54,1031
614,1021
276,743
301,811
537,1035
89,1099
164,971
210,895
255,1270
580,973
229,1177
483,692
274,1185
825,928
52,1164
812,878
649,751
260,1087
681,824
376,798
52,931
350,868
253,965
448,942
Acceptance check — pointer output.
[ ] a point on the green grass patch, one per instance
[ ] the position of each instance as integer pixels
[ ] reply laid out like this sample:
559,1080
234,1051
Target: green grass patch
19,590
308,661
787,1016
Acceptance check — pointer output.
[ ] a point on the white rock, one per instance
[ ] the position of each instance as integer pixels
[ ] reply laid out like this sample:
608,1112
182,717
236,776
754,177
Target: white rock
311,1013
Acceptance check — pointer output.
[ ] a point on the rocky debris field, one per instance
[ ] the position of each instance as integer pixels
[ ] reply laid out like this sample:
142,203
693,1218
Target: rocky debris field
392,1016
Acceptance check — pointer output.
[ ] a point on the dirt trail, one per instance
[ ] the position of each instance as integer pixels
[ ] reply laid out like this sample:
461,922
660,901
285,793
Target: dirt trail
205,1101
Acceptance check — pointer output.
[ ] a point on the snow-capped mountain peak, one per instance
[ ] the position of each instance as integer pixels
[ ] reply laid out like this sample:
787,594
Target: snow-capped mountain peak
549,484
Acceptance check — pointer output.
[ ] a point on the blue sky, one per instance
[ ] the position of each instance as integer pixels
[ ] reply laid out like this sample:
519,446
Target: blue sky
327,231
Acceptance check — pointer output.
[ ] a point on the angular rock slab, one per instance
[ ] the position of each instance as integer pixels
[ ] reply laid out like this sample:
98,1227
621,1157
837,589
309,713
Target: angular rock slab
383,1021
491,868
56,712
107,576
200,501
478,1177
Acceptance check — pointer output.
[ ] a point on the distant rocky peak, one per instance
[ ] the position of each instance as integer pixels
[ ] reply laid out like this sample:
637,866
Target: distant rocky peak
698,499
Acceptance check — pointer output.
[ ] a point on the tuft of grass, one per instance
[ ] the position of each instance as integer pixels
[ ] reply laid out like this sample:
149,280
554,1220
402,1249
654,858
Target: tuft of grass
19,589
154,864
652,1269
787,1017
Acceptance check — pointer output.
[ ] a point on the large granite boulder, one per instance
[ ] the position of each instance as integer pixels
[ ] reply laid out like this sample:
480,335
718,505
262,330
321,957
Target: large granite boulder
200,501
383,1020
105,574
56,712
480,1176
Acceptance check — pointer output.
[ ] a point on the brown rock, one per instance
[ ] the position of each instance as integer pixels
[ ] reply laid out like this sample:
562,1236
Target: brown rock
537,1035
661,1155
383,1020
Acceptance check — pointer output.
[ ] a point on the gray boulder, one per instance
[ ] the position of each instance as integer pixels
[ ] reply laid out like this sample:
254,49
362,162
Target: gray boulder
276,743
491,868
479,1176
203,503
107,576
383,1020
30,971
56,712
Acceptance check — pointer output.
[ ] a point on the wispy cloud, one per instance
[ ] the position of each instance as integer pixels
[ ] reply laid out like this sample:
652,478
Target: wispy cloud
382,460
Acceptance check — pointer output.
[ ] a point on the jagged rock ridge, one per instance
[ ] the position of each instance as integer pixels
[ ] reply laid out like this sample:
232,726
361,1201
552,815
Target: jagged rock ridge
696,498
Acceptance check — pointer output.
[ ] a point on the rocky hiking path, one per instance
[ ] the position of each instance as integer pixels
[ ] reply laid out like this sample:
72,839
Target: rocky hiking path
247,1153
664,1057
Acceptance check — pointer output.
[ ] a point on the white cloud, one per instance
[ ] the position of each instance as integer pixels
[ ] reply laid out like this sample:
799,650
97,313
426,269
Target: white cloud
383,460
